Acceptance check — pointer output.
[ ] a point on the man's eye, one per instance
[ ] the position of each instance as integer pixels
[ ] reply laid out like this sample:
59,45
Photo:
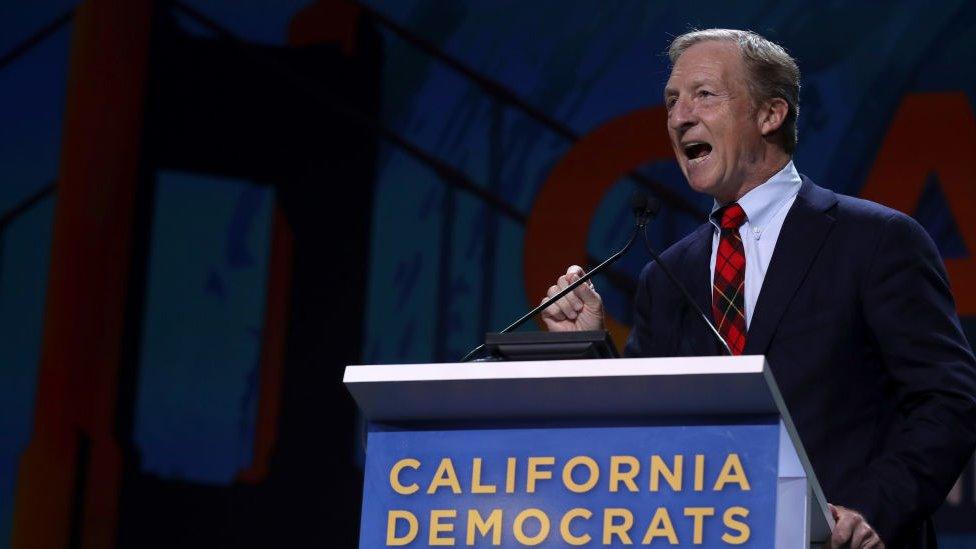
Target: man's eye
705,93
669,103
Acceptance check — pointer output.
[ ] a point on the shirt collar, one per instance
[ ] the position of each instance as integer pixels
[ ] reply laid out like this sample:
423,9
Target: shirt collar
762,203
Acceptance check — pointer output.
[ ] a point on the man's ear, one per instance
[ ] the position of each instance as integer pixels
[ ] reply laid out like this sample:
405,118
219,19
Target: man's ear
772,114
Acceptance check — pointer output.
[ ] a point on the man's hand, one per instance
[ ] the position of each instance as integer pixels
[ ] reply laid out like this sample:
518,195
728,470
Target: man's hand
852,530
579,310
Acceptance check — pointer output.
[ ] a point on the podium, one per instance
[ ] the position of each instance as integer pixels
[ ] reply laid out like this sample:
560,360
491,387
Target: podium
591,453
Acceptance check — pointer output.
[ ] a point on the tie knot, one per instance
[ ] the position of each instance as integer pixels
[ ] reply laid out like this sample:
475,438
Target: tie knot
731,216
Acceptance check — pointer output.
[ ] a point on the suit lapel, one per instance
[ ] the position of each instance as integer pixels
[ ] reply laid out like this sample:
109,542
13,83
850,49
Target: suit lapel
803,233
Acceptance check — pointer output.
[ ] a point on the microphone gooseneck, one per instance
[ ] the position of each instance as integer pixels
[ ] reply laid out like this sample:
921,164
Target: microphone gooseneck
691,301
644,209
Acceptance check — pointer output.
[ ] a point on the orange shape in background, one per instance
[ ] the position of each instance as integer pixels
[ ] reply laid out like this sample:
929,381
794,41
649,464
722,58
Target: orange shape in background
911,151
558,225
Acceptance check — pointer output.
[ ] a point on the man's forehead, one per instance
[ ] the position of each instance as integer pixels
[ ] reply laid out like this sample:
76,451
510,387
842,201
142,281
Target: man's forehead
705,61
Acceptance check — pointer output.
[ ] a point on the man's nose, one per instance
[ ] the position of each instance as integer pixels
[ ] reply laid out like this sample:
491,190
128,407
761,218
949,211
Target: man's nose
682,115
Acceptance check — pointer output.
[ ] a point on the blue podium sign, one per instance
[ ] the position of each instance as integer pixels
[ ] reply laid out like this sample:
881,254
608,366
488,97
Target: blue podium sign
656,486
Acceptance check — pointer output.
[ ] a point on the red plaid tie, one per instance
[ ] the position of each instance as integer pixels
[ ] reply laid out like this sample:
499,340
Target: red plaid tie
728,305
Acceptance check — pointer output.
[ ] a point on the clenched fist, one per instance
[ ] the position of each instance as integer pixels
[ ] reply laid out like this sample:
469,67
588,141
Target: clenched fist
579,310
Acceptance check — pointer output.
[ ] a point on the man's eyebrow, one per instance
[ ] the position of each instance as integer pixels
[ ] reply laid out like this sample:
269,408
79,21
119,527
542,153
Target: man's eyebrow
696,83
704,81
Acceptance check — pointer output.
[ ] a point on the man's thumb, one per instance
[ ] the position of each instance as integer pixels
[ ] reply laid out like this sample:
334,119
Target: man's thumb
590,297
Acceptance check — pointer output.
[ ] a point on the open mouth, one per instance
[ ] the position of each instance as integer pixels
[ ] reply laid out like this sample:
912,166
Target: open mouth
696,150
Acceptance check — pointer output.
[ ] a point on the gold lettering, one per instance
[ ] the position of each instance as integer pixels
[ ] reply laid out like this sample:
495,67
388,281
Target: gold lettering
672,476
699,472
476,486
621,530
617,475
660,526
445,477
571,484
395,476
742,528
510,476
493,524
699,514
732,471
519,527
534,474
391,523
564,531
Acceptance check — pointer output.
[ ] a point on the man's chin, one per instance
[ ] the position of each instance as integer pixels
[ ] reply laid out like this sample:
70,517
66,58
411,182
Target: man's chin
702,185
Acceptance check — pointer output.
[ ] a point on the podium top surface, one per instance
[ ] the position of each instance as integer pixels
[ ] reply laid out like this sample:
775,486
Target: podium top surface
565,389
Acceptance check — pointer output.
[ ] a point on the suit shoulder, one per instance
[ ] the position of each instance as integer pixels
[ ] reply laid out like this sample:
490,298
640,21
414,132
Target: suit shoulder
863,210
849,208
871,214
883,230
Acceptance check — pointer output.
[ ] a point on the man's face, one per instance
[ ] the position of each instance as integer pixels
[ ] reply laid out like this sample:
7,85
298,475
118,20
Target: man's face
712,121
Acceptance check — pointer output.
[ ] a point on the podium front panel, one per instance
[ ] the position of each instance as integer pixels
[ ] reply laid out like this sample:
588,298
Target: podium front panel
645,452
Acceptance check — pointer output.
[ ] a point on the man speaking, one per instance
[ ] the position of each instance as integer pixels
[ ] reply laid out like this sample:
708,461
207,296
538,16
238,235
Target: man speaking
848,300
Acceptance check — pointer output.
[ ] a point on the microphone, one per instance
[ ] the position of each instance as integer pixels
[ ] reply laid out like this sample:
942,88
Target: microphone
644,208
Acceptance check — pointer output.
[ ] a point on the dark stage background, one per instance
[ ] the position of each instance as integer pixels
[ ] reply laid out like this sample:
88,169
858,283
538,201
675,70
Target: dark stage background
209,207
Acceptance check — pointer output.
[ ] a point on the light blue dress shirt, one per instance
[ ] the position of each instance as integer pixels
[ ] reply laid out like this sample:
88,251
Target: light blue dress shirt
766,207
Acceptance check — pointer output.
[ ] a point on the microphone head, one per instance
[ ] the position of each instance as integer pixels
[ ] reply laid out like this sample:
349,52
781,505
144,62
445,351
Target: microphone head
644,205
653,205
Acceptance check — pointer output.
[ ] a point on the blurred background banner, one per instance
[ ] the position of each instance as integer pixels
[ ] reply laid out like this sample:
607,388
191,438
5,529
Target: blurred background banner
209,207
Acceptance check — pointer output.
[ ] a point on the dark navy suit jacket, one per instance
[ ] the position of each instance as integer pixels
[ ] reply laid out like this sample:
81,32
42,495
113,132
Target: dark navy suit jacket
859,327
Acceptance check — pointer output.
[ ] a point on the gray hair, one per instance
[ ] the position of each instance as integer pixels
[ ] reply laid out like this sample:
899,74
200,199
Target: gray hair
772,72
